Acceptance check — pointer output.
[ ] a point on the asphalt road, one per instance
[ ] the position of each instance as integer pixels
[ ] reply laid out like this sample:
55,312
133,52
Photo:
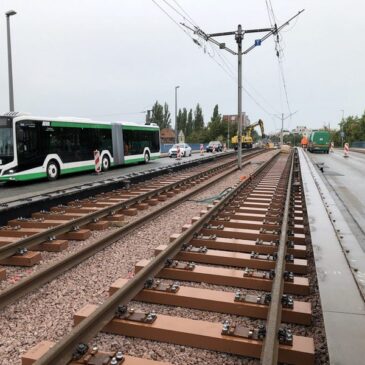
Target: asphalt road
346,179
11,191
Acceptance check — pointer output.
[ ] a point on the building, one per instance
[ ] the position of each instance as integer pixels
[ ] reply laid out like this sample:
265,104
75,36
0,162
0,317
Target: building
303,130
167,136
234,119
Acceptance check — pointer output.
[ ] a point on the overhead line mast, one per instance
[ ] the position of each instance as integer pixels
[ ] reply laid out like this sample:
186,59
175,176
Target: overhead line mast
239,34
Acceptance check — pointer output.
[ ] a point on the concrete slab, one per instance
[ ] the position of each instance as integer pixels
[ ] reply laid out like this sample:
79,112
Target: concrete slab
345,179
341,298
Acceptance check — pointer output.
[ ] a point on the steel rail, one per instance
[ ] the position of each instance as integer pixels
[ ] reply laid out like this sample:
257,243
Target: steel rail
270,348
61,353
53,270
12,248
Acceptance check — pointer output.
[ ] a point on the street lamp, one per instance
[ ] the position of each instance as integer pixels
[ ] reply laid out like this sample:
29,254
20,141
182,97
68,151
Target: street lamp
176,87
10,69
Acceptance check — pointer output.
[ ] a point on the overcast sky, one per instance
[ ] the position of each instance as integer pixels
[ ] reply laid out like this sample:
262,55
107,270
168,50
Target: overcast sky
112,59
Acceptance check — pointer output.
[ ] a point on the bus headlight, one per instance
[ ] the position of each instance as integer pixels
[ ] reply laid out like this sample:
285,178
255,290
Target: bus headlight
10,172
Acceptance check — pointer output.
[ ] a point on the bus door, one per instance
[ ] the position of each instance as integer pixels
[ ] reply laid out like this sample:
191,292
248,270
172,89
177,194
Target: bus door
118,147
28,145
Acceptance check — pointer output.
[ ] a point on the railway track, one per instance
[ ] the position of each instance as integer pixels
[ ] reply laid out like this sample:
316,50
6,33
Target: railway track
24,239
244,257
12,208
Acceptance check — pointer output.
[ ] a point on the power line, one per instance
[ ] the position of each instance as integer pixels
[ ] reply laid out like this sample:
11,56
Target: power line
279,51
177,23
178,12
224,64
230,67
192,21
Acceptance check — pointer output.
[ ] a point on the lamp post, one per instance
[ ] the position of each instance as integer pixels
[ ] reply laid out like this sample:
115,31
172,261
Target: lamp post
10,68
176,87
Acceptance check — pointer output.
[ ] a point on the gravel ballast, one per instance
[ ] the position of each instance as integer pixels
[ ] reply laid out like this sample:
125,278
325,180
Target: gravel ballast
47,314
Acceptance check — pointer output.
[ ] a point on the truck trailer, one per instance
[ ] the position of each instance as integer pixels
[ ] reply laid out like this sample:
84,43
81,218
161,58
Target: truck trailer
319,141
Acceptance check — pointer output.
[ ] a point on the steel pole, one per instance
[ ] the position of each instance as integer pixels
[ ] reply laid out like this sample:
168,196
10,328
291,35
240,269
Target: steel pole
228,136
282,127
176,87
239,37
10,68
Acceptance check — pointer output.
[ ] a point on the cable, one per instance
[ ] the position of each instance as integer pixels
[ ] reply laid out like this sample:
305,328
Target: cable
171,18
178,12
279,52
227,68
192,21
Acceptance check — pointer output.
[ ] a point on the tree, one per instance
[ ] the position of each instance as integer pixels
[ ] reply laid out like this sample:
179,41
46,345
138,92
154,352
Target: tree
184,120
157,114
161,115
181,120
199,136
178,121
189,123
198,122
217,128
166,117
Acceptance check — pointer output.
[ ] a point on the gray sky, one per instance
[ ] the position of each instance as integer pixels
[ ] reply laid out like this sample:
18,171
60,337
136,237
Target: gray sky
110,60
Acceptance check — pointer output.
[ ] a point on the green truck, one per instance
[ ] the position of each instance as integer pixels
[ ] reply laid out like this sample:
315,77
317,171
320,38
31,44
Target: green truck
319,141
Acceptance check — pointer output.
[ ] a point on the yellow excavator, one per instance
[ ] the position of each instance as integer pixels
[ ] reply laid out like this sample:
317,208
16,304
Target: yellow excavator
246,135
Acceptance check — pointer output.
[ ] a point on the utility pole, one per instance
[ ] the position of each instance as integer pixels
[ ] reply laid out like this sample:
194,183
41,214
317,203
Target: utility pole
239,34
148,116
10,66
239,38
176,131
282,124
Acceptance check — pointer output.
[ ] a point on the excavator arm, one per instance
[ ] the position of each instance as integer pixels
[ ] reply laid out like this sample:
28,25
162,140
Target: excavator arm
246,134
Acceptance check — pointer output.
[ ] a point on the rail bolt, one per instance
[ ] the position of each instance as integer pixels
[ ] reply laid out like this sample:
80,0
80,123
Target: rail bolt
149,283
119,356
81,350
261,332
285,336
121,310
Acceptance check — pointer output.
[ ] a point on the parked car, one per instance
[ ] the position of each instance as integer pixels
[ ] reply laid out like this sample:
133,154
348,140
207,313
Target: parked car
185,150
217,144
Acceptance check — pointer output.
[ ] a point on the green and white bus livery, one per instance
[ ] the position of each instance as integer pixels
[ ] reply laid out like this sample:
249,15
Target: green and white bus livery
37,147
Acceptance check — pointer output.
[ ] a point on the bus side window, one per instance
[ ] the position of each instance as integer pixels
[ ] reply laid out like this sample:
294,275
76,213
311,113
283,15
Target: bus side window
126,149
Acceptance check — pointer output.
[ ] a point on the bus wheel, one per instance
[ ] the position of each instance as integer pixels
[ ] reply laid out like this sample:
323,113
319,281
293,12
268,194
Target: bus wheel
53,170
146,157
105,163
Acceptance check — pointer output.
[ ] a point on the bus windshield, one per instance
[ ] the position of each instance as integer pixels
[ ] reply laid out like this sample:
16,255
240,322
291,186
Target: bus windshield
6,141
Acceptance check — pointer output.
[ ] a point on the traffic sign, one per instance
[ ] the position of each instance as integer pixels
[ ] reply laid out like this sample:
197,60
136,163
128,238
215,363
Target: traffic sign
257,42
342,134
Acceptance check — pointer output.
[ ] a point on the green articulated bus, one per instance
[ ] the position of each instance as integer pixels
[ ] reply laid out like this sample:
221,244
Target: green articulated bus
37,147
319,141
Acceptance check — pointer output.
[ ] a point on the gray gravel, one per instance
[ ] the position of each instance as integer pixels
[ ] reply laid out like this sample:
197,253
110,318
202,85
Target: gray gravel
47,314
